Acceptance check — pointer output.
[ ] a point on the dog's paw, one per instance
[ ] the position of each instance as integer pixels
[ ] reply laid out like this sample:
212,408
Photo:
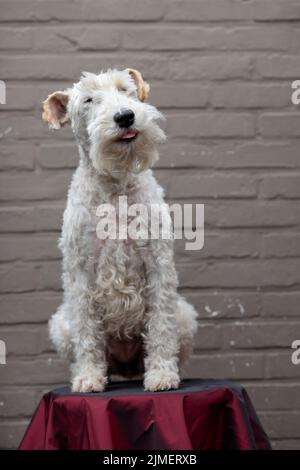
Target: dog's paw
160,379
89,383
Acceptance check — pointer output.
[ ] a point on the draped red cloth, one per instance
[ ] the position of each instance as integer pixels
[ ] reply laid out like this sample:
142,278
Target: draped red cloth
202,414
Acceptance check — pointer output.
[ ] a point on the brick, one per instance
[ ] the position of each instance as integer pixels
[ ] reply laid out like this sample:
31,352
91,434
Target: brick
281,304
207,337
18,278
30,276
210,67
276,10
281,423
275,396
187,185
48,370
74,38
105,39
13,38
215,305
280,273
28,127
33,307
90,10
278,66
17,403
213,38
280,366
271,214
286,444
185,155
179,95
26,341
33,10
295,41
58,156
37,186
276,38
31,219
64,39
255,154
251,95
121,10
43,88
17,67
280,245
19,97
211,125
207,10
225,366
12,432
286,186
242,335
235,244
281,124
14,248
164,39
21,157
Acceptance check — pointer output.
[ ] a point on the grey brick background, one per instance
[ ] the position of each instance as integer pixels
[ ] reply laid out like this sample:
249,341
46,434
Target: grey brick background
221,71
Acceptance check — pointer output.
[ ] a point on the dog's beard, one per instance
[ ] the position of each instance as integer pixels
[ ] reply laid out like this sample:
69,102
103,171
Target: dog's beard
115,157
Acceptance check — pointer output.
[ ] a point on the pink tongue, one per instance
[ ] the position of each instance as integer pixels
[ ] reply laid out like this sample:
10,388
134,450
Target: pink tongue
129,135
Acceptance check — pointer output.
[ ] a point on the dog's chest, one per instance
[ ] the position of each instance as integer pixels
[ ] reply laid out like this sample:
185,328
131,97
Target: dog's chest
119,277
120,283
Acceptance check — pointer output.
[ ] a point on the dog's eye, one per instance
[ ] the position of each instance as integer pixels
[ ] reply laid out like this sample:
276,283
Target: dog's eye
123,89
88,100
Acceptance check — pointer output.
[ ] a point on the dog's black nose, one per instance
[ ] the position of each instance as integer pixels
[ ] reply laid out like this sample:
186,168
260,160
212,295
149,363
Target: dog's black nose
125,118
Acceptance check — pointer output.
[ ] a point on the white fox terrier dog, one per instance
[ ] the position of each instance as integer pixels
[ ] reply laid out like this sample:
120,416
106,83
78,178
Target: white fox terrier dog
121,313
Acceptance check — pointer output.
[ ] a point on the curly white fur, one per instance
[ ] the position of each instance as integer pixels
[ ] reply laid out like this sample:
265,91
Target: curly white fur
121,311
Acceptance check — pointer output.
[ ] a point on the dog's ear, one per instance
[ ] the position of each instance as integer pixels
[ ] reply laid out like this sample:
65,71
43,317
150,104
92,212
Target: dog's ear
143,87
55,110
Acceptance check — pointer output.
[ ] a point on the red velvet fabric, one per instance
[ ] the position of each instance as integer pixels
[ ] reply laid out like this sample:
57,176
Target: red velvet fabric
200,415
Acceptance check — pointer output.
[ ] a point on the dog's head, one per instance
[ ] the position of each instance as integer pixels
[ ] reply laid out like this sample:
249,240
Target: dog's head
113,124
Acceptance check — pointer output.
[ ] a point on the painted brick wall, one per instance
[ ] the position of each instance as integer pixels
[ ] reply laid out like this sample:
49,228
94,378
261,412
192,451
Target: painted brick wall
221,71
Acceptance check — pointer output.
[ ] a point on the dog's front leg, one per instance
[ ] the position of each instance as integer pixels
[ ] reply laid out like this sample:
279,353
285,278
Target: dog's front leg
161,336
90,367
